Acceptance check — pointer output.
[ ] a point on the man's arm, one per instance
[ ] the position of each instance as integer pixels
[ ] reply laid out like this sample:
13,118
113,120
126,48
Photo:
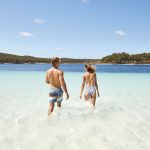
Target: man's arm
47,79
96,85
82,86
63,83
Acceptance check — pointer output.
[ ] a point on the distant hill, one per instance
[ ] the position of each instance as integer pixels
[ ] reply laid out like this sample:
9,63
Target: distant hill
115,58
125,58
16,59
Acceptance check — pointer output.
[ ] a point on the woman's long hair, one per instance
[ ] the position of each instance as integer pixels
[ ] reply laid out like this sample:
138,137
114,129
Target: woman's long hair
90,69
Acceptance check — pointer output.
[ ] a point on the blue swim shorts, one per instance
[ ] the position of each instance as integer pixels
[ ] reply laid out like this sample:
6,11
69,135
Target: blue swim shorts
56,95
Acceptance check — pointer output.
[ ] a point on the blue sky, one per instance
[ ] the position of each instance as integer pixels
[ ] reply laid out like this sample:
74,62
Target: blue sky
74,28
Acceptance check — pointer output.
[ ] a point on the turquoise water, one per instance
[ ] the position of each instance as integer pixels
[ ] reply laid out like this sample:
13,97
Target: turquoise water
121,120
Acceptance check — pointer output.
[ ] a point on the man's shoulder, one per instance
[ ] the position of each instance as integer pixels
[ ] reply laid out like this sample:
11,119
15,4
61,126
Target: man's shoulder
49,70
60,71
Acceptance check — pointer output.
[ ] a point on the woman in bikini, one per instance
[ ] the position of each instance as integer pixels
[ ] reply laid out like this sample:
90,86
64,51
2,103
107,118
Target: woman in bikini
90,83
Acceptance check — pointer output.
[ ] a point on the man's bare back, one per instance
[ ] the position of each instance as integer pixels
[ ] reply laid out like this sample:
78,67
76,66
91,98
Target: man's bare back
54,77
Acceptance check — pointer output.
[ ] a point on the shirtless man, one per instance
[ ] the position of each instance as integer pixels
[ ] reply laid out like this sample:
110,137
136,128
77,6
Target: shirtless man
55,78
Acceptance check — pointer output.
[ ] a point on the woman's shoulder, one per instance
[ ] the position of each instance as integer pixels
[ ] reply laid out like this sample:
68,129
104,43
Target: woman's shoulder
86,74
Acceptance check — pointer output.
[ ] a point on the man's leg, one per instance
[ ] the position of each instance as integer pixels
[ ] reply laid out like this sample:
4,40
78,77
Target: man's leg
51,108
59,104
59,100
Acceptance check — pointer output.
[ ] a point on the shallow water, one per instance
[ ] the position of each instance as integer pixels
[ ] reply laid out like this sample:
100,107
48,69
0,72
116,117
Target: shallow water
121,120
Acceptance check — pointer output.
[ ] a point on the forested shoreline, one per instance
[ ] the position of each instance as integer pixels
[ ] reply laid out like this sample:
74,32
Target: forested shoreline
115,58
125,58
16,59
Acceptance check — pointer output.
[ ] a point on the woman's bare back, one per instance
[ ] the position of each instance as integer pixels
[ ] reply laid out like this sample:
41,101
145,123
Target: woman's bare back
90,79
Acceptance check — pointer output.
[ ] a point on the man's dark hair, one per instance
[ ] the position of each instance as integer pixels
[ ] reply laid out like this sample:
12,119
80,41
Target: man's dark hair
54,61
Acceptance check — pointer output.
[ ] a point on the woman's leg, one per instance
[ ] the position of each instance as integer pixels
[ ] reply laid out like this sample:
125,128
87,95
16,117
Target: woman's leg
93,99
86,96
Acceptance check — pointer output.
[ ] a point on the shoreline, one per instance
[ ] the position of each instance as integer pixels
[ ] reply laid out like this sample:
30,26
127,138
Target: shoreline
77,63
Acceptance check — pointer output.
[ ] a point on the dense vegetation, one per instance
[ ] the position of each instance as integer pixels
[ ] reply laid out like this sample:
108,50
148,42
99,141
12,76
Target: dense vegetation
15,59
125,58
115,58
9,58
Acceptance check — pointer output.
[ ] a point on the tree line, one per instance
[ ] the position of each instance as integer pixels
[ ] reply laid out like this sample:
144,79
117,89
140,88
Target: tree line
115,58
125,58
16,59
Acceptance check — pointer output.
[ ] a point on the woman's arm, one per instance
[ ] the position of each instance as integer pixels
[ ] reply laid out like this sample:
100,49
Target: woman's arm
96,85
82,86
